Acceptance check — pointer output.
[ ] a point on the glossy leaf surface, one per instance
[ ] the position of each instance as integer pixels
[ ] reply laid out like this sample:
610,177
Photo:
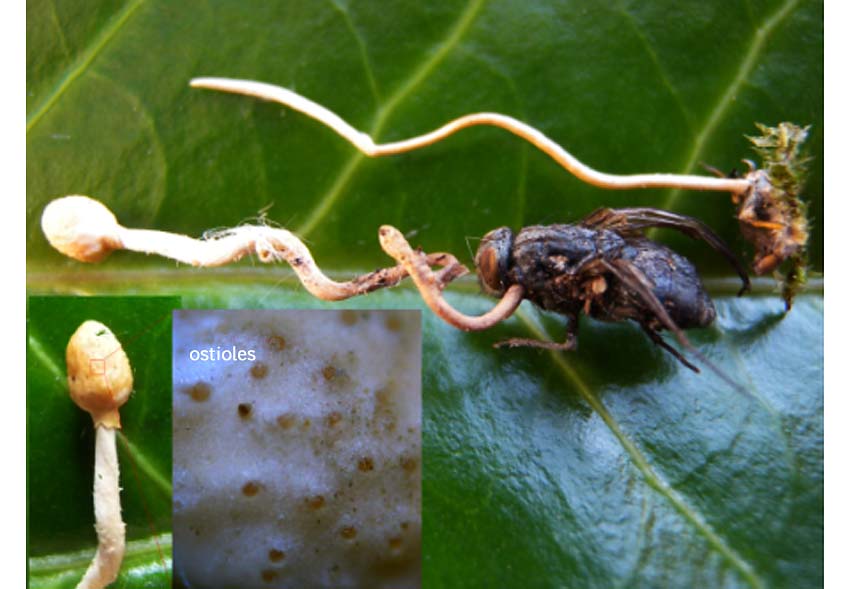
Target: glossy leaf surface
608,467
628,87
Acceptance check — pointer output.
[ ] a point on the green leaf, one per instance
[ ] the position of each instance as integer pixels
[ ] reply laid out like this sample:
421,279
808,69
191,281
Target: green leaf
60,441
142,566
628,87
626,469
611,466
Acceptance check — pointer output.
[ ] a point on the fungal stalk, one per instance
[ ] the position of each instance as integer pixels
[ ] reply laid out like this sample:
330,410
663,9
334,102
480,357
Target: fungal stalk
365,144
100,380
431,287
770,212
84,229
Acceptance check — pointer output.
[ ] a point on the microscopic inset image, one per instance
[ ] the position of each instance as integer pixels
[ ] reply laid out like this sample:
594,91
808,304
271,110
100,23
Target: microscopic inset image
297,449
99,442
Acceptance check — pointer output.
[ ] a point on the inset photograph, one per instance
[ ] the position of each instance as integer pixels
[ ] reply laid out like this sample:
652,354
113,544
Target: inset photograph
99,442
297,449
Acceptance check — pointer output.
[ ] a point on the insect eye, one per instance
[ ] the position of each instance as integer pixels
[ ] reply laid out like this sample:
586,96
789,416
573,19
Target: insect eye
488,269
492,260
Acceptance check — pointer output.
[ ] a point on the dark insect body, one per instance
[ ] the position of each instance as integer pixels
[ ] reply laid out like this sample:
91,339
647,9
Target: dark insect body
606,268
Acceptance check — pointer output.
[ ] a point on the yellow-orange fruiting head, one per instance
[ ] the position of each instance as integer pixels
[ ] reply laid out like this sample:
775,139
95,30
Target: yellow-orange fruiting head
81,228
99,373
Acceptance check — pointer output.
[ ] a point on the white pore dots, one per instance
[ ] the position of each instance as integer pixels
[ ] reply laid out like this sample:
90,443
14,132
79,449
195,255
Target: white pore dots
302,467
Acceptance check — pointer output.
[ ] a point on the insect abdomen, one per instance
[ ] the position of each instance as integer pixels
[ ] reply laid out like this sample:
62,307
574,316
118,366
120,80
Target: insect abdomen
676,283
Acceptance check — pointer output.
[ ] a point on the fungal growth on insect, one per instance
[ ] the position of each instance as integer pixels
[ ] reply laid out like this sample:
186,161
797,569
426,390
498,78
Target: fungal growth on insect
100,381
772,215
603,267
301,467
770,211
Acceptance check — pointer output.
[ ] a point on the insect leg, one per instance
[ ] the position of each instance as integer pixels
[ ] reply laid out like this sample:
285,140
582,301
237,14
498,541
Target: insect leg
636,220
568,345
712,170
733,174
659,341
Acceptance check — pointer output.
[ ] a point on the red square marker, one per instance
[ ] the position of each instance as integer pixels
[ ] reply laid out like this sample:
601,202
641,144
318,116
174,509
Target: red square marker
97,367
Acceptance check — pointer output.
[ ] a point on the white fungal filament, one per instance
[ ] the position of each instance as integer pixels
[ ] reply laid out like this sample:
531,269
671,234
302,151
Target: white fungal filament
100,380
104,569
367,145
84,229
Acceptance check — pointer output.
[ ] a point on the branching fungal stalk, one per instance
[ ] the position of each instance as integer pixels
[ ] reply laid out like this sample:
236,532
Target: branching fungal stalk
431,287
84,229
100,381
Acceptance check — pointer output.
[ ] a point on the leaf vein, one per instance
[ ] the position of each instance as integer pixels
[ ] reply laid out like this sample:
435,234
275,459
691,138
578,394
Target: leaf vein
522,164
83,62
385,111
652,478
54,19
44,357
748,63
653,56
79,560
158,151
361,46
146,466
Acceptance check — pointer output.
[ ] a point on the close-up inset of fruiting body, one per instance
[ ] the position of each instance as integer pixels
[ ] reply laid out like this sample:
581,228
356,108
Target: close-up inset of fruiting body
298,465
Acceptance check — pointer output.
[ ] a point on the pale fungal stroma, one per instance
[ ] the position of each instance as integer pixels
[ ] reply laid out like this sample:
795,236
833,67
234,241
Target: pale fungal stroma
302,467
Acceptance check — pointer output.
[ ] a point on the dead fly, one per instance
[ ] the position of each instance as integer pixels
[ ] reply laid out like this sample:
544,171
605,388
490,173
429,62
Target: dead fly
602,266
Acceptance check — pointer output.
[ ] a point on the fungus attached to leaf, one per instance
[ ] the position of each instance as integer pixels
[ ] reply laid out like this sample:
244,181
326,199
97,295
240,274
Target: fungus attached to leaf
100,381
84,229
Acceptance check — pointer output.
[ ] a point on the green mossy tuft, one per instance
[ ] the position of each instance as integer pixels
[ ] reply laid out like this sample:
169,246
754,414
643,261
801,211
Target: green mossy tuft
786,164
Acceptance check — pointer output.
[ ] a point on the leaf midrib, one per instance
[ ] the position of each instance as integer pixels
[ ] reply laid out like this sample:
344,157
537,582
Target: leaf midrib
385,111
725,100
652,478
79,559
83,61
150,280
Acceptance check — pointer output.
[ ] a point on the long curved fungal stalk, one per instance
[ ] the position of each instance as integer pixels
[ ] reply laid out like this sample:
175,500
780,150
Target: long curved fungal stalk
100,381
367,145
84,229
770,212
